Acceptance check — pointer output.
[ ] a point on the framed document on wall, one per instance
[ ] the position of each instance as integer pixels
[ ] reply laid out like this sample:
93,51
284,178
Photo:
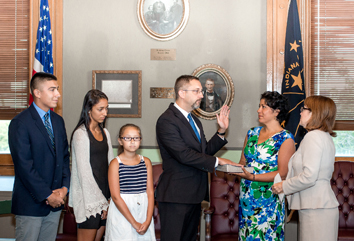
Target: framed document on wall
163,19
218,90
123,89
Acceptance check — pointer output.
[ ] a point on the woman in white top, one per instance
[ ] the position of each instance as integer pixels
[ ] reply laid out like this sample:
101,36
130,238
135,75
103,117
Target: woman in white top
307,185
91,151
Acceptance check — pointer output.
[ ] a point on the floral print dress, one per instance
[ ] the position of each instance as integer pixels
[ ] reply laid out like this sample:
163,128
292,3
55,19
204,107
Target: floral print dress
261,213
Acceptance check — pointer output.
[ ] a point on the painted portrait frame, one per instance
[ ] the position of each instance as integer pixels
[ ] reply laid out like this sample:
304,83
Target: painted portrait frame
163,20
223,86
123,89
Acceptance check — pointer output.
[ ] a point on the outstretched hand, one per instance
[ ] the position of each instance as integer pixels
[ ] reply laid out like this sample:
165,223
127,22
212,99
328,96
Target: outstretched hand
245,174
223,118
223,161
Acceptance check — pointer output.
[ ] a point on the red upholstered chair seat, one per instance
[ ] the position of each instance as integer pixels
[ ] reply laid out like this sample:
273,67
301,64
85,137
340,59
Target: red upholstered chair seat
69,225
156,172
221,219
343,186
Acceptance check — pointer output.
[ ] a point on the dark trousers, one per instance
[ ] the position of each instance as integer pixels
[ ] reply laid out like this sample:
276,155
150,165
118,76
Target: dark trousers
179,222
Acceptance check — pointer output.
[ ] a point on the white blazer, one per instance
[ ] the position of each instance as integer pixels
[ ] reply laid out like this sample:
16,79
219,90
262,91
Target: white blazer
310,170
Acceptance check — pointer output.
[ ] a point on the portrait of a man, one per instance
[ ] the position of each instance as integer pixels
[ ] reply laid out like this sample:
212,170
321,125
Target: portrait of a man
214,91
211,100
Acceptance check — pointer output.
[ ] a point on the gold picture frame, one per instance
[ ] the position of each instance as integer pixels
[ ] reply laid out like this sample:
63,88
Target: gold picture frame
163,20
219,84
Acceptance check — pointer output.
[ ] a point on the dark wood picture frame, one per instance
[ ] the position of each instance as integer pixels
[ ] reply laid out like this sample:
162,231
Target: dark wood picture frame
123,89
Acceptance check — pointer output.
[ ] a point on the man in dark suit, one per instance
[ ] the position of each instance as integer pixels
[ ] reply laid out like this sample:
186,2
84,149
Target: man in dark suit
211,100
187,159
39,150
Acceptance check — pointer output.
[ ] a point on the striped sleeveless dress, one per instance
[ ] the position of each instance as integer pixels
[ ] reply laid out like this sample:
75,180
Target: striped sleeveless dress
132,183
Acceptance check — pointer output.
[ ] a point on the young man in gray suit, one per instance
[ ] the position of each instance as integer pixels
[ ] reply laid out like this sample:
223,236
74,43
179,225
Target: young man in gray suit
187,158
39,150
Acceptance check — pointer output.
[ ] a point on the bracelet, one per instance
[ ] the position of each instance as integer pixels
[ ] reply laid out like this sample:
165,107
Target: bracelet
254,177
221,134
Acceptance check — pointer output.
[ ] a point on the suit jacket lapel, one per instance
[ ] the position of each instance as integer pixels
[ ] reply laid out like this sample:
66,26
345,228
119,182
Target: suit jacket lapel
179,115
40,126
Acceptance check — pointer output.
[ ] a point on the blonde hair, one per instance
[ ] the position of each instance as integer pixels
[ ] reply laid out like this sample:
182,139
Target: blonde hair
323,116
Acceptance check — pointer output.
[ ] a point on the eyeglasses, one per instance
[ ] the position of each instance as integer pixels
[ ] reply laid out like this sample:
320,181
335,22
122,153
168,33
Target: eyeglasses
137,138
195,91
304,108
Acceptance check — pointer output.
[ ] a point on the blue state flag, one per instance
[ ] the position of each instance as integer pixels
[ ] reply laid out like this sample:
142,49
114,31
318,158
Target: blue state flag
293,80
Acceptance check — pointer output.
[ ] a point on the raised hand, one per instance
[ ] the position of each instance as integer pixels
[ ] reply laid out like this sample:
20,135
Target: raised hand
223,118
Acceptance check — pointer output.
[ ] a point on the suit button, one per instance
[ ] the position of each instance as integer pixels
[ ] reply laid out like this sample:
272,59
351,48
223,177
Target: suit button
57,165
55,181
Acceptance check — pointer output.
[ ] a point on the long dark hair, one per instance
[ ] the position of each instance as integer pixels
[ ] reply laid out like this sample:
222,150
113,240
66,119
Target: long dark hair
92,97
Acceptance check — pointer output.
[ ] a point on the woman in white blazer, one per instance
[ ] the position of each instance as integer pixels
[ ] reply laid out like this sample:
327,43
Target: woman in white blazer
310,169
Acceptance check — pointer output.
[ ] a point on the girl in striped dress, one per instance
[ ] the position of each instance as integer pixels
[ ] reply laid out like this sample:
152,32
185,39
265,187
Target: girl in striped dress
132,191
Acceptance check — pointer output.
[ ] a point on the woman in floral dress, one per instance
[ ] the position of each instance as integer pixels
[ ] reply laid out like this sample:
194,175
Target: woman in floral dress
268,149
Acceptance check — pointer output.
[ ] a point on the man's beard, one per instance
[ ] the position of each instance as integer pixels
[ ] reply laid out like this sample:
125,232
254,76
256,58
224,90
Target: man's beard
196,104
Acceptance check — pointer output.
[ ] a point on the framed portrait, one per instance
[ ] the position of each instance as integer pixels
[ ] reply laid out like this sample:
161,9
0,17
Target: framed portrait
163,19
123,89
218,90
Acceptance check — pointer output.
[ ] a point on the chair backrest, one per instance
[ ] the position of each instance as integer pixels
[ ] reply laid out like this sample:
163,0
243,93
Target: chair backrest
224,198
343,186
156,172
69,223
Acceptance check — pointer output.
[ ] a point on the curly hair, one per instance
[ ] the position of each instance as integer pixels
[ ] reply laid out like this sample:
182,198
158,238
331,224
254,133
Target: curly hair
277,101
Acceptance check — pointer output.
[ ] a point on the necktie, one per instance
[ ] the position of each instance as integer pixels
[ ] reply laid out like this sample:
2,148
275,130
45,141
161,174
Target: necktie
191,122
49,130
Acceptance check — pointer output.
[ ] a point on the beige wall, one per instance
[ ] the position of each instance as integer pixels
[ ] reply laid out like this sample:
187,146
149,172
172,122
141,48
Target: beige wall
106,35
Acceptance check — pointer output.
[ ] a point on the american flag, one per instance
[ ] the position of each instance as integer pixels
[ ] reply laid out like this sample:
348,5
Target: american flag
43,57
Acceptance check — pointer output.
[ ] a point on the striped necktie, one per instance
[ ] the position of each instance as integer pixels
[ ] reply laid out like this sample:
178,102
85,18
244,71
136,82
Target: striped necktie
191,122
49,130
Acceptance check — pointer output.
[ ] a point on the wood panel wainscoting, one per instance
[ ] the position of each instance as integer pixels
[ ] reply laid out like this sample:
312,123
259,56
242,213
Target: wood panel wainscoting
6,165
348,159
